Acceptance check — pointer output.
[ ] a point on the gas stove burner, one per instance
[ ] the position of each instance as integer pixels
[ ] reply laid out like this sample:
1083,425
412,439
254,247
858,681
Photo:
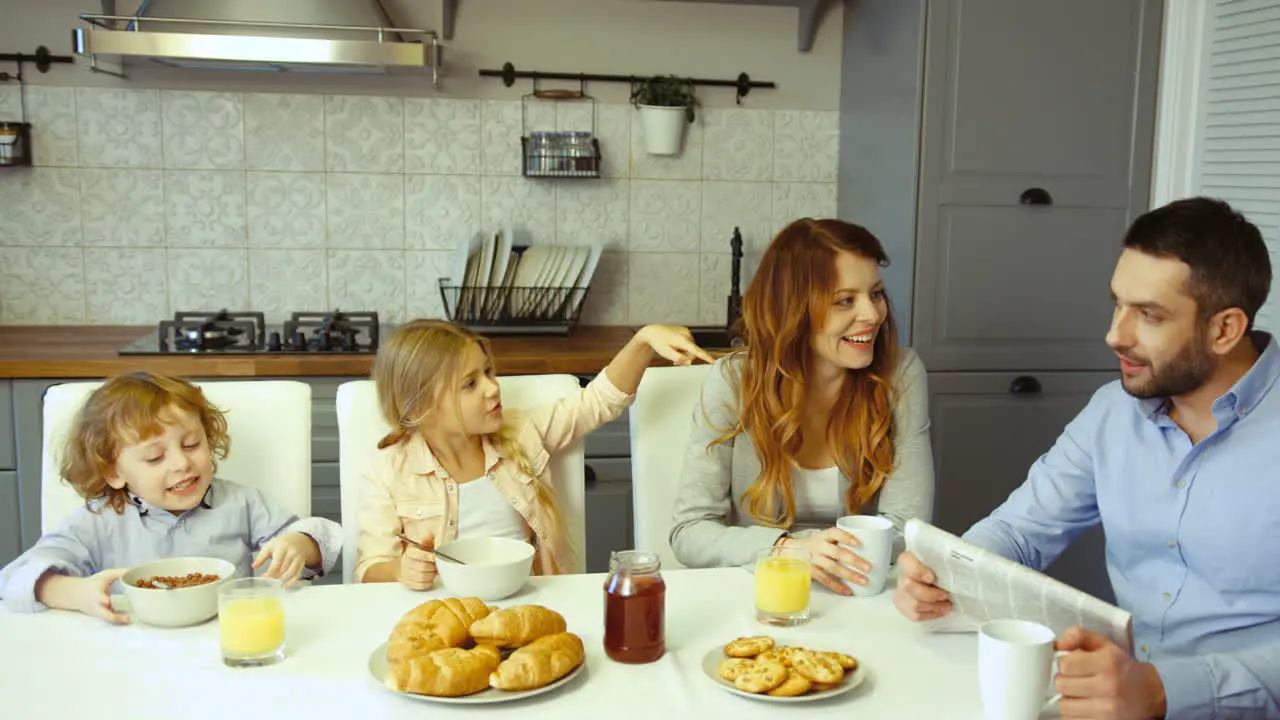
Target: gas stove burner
221,330
332,331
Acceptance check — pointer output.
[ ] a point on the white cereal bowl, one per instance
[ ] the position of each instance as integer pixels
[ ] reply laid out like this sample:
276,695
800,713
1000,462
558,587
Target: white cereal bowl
177,607
495,567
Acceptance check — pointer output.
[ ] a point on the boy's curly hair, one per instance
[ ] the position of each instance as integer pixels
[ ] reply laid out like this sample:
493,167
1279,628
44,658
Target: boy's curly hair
127,409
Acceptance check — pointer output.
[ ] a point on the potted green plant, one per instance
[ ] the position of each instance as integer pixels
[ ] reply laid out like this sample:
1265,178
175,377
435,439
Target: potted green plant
666,105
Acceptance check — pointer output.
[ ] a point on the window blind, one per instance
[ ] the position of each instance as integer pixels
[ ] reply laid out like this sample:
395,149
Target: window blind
1238,143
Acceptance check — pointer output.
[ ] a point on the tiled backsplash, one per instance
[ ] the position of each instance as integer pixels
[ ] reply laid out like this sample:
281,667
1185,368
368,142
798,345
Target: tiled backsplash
147,201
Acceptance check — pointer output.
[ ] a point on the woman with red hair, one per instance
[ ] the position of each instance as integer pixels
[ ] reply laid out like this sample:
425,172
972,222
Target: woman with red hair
821,415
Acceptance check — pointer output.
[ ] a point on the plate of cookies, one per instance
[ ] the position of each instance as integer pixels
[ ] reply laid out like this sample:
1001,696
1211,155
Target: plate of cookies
461,651
761,668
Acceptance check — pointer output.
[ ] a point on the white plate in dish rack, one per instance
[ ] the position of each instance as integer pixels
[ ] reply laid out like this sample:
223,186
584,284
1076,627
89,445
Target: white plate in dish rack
711,668
378,669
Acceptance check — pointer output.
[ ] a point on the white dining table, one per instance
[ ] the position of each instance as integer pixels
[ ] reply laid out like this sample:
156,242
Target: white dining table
58,664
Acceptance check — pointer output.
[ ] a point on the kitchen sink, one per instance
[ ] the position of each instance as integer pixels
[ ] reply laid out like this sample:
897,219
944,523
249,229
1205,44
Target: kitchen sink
712,338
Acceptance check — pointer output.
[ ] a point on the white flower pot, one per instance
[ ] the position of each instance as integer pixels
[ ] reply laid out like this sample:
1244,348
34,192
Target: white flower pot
663,129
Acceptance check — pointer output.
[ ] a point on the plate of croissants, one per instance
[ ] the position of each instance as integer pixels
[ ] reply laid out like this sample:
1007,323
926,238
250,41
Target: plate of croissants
459,650
761,668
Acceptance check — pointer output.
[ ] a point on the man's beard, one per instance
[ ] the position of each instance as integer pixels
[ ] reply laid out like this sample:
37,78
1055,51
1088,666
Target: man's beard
1184,373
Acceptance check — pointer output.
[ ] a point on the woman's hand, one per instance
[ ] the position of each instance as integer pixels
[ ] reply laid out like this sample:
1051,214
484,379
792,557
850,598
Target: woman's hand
674,343
831,564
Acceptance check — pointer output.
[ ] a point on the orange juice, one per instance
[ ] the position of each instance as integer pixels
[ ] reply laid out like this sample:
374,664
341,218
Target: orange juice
251,626
782,585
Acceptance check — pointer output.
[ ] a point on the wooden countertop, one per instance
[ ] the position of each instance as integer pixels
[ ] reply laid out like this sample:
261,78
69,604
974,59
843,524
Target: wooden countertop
90,351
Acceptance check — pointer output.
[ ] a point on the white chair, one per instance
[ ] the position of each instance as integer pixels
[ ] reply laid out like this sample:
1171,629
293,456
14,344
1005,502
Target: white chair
360,427
660,420
270,426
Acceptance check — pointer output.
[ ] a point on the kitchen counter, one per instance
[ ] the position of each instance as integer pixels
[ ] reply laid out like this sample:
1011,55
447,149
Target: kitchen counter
90,351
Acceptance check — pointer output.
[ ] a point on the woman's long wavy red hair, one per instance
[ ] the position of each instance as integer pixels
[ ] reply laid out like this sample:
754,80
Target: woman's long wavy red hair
789,297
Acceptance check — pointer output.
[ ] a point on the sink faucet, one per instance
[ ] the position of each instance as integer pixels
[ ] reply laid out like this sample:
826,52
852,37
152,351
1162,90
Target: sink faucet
733,310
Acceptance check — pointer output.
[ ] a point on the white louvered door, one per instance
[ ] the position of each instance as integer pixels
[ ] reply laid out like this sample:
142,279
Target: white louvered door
1238,136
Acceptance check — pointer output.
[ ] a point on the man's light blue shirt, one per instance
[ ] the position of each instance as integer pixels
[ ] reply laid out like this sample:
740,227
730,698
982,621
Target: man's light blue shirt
1193,534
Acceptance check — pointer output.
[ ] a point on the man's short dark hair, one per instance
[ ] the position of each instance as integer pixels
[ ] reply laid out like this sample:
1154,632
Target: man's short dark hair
1229,261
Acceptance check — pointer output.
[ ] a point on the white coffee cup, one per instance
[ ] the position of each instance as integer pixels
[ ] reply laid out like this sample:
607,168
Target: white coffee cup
1016,661
875,545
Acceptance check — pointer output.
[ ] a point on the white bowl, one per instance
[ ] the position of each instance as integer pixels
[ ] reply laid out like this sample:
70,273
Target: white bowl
176,607
495,567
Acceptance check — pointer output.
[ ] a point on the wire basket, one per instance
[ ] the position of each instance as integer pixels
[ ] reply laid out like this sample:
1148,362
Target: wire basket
514,310
561,155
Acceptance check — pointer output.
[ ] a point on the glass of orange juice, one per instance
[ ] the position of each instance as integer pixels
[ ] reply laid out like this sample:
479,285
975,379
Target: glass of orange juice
782,586
251,621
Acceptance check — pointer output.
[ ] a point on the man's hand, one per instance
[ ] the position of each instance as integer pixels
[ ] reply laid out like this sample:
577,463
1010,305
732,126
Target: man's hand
917,597
1098,680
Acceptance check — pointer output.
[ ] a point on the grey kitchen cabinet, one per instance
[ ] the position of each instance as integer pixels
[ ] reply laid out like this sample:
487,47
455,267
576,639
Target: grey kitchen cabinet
10,522
608,493
326,488
324,417
326,502
8,456
10,510
985,438
1037,124
28,420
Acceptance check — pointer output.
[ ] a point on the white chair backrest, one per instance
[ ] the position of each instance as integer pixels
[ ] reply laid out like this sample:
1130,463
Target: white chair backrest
660,422
360,427
269,422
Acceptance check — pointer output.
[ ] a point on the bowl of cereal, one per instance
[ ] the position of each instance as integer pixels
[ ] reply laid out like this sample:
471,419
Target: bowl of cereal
176,592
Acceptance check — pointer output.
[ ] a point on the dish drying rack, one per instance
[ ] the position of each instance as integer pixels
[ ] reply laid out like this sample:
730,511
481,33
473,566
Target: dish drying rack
509,310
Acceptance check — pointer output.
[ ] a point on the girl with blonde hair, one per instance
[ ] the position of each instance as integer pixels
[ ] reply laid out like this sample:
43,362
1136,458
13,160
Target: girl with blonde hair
457,464
821,415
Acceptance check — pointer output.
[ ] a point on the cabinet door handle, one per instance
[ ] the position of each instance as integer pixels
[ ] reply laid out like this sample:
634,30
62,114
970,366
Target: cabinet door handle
1024,385
1035,196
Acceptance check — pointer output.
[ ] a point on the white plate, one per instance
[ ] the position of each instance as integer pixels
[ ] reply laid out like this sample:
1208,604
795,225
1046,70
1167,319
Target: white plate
711,668
378,669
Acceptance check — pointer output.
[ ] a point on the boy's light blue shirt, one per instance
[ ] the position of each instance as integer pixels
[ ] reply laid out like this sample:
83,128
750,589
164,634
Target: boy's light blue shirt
231,522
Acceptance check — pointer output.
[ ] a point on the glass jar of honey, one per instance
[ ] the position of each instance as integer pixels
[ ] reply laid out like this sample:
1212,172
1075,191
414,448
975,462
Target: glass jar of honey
635,607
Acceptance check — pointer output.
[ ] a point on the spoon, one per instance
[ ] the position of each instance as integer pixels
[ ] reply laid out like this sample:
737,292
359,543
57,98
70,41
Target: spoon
424,548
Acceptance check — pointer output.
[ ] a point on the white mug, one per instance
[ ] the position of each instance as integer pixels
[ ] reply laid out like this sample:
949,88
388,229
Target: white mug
1016,661
875,545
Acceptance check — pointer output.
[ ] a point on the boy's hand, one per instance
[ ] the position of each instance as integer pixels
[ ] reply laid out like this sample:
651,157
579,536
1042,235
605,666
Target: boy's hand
290,554
89,595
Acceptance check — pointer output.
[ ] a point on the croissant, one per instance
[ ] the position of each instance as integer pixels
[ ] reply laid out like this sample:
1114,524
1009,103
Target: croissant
539,663
518,625
433,625
445,673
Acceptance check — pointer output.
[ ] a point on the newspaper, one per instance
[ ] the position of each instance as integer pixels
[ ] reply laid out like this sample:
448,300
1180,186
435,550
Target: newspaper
986,586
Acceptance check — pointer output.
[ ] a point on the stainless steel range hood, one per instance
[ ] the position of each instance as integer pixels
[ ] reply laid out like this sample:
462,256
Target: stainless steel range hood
254,44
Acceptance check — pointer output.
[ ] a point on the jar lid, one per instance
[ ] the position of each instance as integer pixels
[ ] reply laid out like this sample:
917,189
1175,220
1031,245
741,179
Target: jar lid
635,561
